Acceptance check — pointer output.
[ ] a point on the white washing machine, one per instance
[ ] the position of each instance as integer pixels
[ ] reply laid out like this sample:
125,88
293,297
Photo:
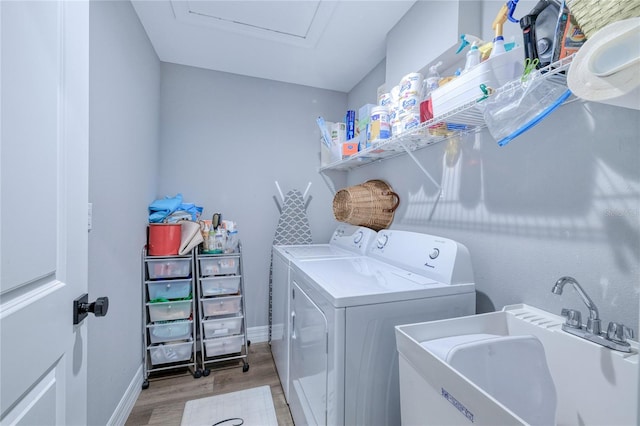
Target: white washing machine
343,357
346,241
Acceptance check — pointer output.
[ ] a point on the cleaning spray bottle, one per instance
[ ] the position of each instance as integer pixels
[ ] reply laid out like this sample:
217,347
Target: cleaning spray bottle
473,58
428,86
433,78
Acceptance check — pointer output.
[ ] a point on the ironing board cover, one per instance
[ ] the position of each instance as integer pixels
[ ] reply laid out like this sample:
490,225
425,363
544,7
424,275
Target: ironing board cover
293,228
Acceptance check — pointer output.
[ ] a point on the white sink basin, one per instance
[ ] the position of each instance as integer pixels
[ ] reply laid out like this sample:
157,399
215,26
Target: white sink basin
594,385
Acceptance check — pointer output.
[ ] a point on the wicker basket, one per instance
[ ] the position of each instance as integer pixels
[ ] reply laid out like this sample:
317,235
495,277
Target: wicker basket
371,204
593,15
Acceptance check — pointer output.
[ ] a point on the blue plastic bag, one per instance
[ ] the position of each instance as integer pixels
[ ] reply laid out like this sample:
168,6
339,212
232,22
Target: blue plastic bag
160,209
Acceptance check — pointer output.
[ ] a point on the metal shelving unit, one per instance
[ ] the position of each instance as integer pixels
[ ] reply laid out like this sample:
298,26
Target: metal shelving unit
464,119
221,309
168,327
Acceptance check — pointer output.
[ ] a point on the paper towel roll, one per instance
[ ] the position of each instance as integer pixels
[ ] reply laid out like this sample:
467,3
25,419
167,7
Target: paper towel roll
411,84
395,93
385,99
607,67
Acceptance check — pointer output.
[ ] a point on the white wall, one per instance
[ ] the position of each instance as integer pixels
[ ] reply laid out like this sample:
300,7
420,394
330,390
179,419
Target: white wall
124,111
563,199
365,92
425,32
226,138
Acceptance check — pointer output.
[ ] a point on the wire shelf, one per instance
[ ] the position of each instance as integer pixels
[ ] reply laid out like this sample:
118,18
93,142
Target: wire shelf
466,118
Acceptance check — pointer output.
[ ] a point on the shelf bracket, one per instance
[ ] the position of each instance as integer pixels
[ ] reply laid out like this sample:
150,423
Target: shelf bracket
427,174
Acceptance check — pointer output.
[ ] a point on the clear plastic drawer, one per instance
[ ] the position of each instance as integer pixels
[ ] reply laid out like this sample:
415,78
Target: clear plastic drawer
166,353
219,327
214,286
169,289
223,345
219,266
166,311
170,331
226,305
168,268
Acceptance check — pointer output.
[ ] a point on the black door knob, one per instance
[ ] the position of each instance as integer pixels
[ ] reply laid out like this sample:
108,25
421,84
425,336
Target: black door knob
82,307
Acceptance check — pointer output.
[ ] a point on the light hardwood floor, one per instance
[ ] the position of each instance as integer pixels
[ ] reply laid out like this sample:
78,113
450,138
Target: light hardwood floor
163,402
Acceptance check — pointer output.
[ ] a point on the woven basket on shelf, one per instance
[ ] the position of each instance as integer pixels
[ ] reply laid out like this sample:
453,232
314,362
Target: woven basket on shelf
371,204
593,15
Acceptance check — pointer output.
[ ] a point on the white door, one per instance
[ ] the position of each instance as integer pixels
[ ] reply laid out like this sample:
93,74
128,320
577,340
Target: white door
43,210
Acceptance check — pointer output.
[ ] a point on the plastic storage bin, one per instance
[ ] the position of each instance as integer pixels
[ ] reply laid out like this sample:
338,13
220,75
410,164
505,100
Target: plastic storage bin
219,327
219,266
223,345
226,305
168,268
169,289
215,286
170,331
494,72
176,352
166,311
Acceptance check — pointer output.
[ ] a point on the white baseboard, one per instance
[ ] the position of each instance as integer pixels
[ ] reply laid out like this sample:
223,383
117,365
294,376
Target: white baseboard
258,334
122,411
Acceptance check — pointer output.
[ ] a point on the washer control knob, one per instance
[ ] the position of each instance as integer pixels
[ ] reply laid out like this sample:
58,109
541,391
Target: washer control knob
434,253
359,236
382,240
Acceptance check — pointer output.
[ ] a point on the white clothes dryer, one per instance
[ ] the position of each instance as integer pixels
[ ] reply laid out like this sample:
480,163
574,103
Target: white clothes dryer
346,241
343,358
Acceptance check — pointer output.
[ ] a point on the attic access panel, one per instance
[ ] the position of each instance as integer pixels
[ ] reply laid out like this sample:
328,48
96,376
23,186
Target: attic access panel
292,22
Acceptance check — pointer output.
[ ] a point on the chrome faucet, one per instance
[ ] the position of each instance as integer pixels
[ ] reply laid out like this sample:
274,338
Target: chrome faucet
593,323
617,334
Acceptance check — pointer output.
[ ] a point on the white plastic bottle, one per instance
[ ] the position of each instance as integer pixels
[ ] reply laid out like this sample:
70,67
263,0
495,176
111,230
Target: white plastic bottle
433,78
232,242
498,47
473,58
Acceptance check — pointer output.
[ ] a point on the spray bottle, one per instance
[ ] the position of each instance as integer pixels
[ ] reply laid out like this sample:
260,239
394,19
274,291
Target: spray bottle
473,58
428,86
433,78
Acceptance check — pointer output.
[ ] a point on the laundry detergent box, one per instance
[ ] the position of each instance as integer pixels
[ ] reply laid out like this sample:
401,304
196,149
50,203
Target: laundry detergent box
338,132
349,148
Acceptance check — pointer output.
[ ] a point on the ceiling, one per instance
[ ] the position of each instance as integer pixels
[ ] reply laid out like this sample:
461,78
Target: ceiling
329,44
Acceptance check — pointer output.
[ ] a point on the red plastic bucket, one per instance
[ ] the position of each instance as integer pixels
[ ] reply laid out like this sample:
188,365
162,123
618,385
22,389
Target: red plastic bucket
164,239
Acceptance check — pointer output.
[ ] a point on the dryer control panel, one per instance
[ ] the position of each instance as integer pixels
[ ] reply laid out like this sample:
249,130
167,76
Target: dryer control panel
438,258
354,238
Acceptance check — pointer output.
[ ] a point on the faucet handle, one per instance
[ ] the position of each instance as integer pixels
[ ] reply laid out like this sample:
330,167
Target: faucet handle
574,317
617,332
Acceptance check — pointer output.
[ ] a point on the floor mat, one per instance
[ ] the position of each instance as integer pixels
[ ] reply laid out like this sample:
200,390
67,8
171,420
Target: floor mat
253,406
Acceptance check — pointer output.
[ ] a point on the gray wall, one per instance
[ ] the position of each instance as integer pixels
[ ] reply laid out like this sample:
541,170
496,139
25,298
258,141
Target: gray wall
559,200
225,140
124,110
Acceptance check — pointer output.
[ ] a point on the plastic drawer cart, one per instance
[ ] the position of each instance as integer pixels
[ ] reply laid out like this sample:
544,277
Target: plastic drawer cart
221,309
168,312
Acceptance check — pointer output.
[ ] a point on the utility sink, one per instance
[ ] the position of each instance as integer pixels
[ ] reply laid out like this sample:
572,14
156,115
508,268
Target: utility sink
594,385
